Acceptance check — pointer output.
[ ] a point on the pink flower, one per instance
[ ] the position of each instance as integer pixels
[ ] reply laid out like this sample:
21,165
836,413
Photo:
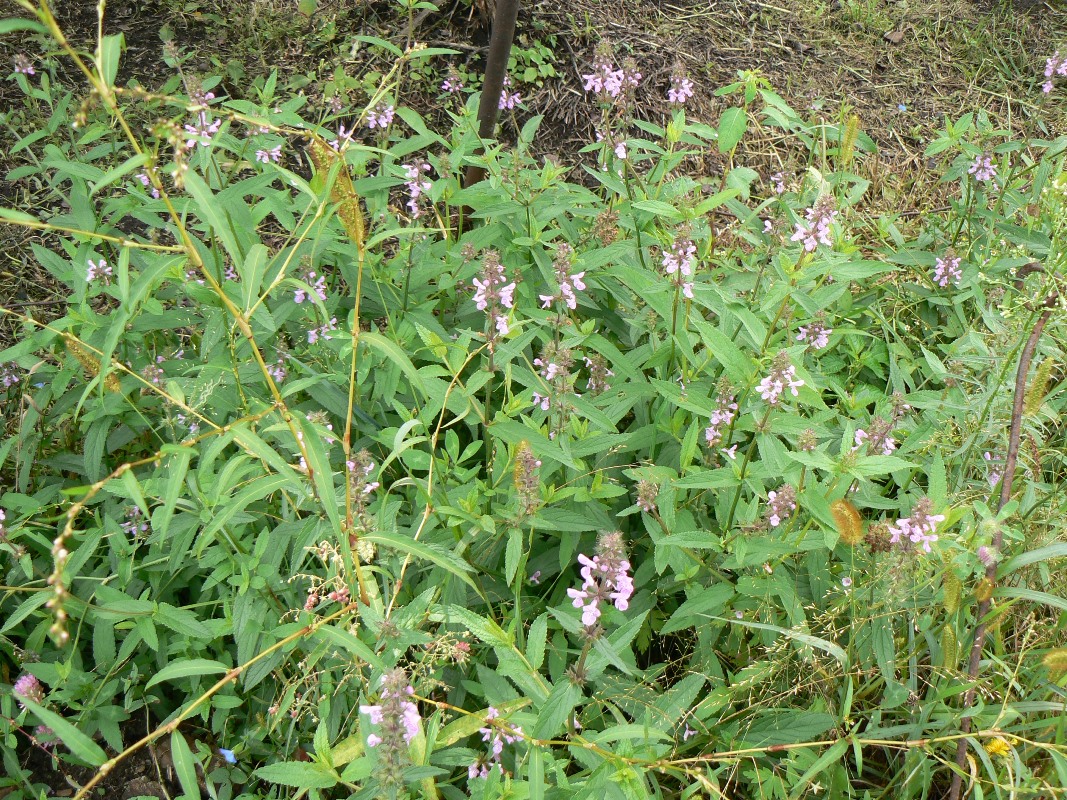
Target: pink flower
416,185
380,116
917,528
815,333
782,377
1054,66
982,169
681,89
343,137
23,65
605,577
947,270
28,687
817,229
99,270
780,505
266,156
147,183
201,133
508,100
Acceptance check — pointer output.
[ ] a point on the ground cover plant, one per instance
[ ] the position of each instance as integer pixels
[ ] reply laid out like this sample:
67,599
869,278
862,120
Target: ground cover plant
598,477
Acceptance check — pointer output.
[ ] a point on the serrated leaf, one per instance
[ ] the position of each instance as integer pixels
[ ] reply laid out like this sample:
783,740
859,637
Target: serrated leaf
536,641
787,727
185,668
299,775
79,744
439,556
557,710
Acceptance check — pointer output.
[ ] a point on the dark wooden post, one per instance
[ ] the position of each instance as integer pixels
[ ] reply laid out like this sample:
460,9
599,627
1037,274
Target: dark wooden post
496,68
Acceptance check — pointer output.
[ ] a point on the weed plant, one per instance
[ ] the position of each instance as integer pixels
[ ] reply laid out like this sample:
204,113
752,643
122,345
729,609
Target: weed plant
590,479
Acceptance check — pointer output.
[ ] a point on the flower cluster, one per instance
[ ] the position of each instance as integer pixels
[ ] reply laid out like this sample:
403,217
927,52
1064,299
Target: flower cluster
781,377
598,373
816,333
398,721
607,80
316,282
99,270
568,282
721,417
9,376
265,156
554,365
205,128
982,168
605,577
380,116
947,270
878,439
681,88
1054,66
781,503
679,262
508,100
452,84
147,183
323,331
416,185
494,295
917,528
816,230
496,738
28,687
135,523
647,491
344,137
23,65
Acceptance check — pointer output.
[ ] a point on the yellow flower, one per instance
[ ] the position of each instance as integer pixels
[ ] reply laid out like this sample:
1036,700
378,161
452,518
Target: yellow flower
997,747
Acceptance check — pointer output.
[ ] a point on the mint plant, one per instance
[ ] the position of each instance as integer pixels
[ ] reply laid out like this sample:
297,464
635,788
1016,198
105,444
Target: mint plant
587,478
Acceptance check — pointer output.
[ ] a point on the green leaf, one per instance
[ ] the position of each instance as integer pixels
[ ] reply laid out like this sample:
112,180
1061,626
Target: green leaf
184,764
207,209
445,559
556,710
108,57
251,273
536,641
177,466
80,745
182,621
1047,553
787,727
299,775
831,755
255,490
186,667
803,638
12,25
392,352
732,126
1016,593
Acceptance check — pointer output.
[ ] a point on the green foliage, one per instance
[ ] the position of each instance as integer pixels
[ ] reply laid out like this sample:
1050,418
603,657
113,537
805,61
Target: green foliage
275,465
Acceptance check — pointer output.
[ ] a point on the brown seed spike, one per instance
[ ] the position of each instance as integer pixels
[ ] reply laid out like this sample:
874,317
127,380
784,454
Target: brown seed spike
848,522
